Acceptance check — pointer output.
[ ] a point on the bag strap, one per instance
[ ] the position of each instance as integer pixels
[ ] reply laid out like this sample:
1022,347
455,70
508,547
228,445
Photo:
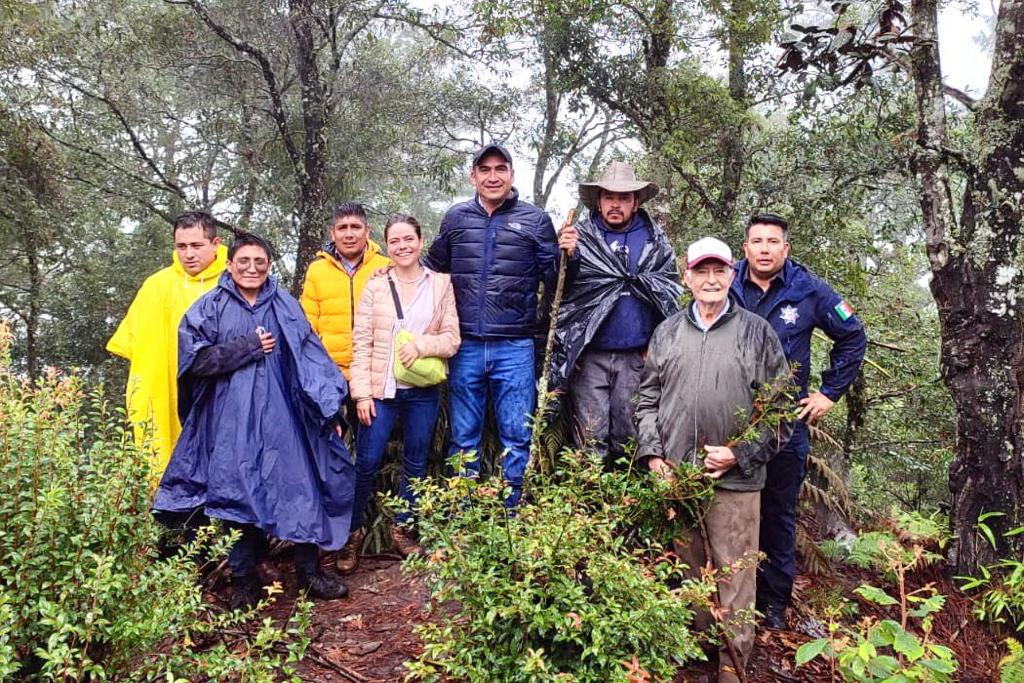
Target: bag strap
394,296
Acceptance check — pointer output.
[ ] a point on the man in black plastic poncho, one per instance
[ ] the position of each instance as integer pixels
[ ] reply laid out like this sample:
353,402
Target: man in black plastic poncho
622,280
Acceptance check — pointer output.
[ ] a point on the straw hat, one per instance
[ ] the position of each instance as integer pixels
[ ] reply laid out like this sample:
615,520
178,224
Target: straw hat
617,177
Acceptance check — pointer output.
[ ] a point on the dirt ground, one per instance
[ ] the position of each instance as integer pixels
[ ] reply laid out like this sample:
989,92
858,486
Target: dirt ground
366,637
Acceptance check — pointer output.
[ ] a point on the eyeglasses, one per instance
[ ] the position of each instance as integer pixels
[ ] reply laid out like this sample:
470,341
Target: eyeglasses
258,264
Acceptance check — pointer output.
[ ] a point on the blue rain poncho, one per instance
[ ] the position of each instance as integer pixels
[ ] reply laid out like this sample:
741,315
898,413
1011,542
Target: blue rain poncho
258,444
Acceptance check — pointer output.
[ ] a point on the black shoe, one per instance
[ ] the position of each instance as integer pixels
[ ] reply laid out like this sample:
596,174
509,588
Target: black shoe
245,594
323,585
775,618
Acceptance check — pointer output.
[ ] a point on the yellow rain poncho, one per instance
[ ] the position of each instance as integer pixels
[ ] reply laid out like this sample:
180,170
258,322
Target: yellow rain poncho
148,338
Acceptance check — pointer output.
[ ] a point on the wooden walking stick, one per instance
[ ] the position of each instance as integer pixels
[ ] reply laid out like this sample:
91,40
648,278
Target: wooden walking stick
542,389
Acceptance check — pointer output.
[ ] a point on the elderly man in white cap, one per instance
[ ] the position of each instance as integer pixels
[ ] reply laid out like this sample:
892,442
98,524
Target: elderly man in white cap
704,368
622,280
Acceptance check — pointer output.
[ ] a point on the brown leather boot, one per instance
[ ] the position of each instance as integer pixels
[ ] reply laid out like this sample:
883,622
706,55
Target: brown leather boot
404,543
348,557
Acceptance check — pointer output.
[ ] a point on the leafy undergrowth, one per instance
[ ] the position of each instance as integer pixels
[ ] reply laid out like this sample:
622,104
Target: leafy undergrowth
369,635
84,592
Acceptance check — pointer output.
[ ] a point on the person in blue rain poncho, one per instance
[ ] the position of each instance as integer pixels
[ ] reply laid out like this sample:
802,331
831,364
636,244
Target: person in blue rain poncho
259,399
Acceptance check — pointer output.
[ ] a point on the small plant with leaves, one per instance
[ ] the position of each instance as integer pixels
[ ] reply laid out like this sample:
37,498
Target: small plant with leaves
574,586
885,649
998,593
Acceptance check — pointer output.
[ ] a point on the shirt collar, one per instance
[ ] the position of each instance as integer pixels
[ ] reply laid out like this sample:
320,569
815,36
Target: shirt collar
700,321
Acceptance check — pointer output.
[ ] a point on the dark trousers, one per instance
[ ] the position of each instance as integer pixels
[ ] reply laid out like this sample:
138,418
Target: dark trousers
604,389
251,547
786,473
417,409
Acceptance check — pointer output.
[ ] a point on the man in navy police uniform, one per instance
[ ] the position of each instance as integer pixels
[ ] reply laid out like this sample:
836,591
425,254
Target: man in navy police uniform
794,301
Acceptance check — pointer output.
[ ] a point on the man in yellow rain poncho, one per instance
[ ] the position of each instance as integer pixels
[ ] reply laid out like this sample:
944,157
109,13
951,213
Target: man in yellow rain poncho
148,335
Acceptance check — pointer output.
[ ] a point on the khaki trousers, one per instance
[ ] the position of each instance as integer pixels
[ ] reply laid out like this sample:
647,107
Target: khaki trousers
732,521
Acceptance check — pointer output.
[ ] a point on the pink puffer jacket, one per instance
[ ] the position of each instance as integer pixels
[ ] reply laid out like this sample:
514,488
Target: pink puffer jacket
372,338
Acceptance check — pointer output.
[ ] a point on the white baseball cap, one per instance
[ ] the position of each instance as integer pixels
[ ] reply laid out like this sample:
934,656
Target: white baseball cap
708,248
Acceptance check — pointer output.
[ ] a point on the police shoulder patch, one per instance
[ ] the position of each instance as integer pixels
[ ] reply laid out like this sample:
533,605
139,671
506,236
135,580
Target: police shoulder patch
844,310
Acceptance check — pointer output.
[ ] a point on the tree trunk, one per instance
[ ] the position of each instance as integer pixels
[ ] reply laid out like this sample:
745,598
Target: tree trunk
35,281
977,283
312,200
733,152
546,147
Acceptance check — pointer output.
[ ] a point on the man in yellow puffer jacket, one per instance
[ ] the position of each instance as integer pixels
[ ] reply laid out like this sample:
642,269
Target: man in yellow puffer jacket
335,280
148,335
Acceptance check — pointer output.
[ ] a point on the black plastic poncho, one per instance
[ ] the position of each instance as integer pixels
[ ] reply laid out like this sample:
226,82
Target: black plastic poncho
596,280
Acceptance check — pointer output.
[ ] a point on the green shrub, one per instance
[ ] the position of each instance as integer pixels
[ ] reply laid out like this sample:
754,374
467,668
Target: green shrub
82,593
998,594
573,587
886,650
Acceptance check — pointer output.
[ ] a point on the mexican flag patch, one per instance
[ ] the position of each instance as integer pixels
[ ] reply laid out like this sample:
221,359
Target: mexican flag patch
844,310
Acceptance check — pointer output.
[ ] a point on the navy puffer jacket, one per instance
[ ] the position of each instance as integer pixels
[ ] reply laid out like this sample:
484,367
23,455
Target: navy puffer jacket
496,263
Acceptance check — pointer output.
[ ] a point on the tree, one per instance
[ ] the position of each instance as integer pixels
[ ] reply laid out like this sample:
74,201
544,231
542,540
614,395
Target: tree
972,207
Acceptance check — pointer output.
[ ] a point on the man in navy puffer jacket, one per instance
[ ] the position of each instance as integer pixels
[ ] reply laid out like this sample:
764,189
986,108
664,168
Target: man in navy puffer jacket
498,250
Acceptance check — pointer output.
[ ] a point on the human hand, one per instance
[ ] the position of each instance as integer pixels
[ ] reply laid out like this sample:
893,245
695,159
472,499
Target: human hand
366,410
381,272
816,405
719,460
267,340
662,467
408,354
567,239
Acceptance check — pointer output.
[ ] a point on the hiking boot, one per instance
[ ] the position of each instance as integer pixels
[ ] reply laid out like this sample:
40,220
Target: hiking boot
348,557
404,543
245,594
323,584
774,618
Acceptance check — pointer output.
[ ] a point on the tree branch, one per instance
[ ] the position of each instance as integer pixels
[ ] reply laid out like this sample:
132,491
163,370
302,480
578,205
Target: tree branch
277,112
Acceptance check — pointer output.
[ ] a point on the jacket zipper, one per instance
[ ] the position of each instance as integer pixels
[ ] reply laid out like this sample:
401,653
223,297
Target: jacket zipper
489,237
700,379
351,301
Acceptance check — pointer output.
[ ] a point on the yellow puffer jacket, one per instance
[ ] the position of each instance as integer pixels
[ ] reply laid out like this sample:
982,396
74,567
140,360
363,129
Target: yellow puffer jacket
148,338
330,298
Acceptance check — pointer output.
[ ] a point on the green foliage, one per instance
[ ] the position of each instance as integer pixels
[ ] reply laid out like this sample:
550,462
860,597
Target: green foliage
886,649
921,527
881,552
573,587
84,595
1011,667
999,590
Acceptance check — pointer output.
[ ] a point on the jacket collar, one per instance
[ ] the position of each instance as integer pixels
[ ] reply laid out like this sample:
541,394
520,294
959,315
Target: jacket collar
734,306
212,271
792,278
507,205
330,252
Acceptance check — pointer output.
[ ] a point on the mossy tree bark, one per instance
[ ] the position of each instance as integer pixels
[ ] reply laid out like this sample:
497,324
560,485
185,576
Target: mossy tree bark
977,257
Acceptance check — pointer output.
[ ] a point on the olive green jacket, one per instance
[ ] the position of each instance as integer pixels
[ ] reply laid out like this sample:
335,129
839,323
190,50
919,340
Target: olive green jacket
698,389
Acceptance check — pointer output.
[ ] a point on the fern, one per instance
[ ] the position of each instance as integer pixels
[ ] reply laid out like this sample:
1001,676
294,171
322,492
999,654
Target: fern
1011,667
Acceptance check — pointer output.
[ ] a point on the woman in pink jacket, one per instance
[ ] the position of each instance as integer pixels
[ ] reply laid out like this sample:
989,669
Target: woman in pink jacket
420,301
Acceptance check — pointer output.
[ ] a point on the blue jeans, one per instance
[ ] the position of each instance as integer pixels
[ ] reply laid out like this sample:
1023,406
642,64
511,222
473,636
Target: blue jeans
504,370
417,408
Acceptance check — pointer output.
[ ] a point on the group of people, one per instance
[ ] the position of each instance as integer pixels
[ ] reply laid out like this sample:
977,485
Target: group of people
243,395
